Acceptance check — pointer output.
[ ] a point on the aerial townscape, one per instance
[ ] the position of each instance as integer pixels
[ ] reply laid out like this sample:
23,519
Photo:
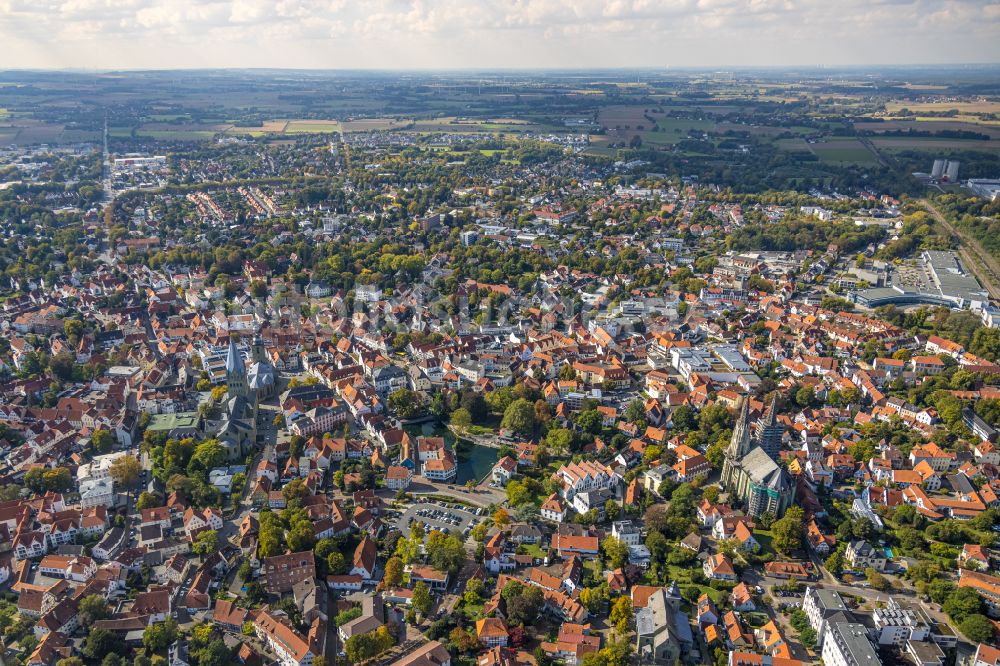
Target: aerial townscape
521,368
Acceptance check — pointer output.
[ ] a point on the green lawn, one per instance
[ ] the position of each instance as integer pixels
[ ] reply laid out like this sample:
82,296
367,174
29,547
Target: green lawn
472,610
764,538
593,565
682,576
535,550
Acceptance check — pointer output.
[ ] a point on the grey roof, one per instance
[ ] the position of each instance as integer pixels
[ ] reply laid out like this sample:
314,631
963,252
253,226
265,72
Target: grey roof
764,471
683,627
234,360
862,548
260,375
644,621
840,617
828,601
657,619
235,407
852,641
960,483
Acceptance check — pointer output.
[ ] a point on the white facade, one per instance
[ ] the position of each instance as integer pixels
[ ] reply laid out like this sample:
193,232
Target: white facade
847,644
97,492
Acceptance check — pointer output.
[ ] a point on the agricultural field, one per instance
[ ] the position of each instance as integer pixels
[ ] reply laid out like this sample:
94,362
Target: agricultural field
312,126
843,150
762,130
793,145
39,133
835,150
373,124
970,107
930,125
176,135
458,125
933,144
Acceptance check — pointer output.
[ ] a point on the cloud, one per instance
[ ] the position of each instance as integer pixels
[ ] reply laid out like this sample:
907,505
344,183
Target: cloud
495,33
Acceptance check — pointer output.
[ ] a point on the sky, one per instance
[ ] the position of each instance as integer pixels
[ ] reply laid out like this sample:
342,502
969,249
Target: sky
480,34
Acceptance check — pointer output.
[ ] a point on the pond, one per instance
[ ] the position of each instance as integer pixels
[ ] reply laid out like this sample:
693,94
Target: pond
474,461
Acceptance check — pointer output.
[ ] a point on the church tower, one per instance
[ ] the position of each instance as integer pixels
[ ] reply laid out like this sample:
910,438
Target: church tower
739,445
768,432
236,372
257,352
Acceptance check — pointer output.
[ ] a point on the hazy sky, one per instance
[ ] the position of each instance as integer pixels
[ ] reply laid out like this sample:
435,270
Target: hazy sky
402,34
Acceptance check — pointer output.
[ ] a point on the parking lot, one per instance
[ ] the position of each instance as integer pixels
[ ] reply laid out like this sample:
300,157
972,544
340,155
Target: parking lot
437,516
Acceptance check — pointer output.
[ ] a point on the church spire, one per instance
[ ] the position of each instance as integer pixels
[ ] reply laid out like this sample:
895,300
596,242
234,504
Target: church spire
739,445
234,360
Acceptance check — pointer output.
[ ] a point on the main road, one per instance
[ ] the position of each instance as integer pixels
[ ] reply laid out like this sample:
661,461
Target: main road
481,496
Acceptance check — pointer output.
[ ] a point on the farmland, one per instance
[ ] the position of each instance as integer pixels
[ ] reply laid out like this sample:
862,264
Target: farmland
931,125
962,107
786,131
842,150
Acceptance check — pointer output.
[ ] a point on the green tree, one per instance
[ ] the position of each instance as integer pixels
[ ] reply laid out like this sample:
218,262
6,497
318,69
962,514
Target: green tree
805,396
519,417
977,628
258,289
621,614
444,552
336,563
616,552
611,509
295,489
961,603
393,576
479,532
517,493
593,598
125,470
100,643
524,606
789,531
875,579
208,454
214,654
421,599
473,591
91,608
362,647
101,440
206,543
560,439
636,413
835,562
147,501
245,572
461,418
406,403
590,420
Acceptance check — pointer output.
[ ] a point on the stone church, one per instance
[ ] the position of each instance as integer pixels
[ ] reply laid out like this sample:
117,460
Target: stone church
750,473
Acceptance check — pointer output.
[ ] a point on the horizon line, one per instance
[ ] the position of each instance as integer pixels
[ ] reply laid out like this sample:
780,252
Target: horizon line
539,69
